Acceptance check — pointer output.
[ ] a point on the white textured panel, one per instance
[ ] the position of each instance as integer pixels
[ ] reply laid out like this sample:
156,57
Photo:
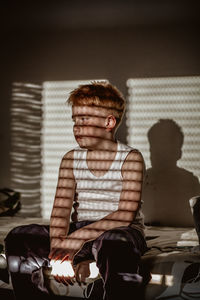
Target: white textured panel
177,98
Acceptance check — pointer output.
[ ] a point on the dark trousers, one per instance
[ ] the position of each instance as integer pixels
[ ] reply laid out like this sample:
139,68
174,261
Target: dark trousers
117,253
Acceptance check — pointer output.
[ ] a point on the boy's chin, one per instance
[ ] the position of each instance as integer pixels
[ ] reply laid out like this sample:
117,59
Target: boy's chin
90,145
82,143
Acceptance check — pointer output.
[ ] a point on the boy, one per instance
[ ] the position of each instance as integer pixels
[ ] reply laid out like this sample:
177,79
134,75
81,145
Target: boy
100,165
99,186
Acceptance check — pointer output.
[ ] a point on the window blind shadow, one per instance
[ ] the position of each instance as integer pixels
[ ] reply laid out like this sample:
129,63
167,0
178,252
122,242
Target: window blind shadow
26,120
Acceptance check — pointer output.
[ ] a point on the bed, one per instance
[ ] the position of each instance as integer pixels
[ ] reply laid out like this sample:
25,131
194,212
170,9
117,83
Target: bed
172,261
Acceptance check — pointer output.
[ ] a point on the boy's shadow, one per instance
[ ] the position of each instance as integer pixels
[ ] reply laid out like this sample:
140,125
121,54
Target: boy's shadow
167,187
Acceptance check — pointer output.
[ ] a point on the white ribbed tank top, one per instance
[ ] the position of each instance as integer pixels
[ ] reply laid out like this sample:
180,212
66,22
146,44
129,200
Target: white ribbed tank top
98,196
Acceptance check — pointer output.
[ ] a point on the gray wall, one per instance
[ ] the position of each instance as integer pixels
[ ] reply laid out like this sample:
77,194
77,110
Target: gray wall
37,51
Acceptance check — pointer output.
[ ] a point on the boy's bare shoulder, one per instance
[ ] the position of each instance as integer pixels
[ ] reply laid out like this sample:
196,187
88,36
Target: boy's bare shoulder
134,156
69,154
133,162
67,160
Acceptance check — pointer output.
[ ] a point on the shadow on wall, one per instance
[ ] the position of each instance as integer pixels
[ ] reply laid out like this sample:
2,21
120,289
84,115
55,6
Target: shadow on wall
167,187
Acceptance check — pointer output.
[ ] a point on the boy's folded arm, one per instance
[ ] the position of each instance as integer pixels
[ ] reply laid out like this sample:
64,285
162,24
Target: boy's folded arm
60,216
130,200
132,174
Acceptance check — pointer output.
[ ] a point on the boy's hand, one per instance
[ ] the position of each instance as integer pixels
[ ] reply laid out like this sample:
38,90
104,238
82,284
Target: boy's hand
61,254
82,271
63,271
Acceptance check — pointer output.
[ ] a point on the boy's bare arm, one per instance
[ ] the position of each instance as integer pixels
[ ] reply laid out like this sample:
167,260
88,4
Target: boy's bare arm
132,173
60,216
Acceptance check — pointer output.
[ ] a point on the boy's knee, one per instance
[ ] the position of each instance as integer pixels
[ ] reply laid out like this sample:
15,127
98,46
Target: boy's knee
112,237
14,245
115,244
40,231
116,234
22,238
13,236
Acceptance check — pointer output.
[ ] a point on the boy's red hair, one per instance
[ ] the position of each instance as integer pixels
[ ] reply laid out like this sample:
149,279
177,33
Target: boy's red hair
100,94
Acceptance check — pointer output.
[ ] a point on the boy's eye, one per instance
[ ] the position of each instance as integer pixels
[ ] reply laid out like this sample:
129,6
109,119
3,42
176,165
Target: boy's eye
80,120
84,119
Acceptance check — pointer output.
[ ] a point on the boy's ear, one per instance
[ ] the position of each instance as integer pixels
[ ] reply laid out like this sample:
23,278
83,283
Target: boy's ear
110,123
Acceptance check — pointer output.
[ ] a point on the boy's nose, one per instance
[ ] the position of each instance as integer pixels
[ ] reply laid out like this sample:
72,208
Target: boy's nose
76,129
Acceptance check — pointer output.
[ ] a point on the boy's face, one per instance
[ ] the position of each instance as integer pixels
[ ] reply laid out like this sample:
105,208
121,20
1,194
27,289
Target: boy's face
89,126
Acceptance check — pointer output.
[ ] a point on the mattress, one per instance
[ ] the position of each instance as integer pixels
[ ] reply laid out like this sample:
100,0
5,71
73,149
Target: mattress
171,266
173,263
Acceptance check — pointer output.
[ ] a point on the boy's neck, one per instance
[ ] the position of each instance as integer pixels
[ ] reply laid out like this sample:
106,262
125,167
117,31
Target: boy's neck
106,145
104,154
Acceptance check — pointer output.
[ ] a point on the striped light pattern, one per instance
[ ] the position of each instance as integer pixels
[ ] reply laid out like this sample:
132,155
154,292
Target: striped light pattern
26,117
57,135
176,98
